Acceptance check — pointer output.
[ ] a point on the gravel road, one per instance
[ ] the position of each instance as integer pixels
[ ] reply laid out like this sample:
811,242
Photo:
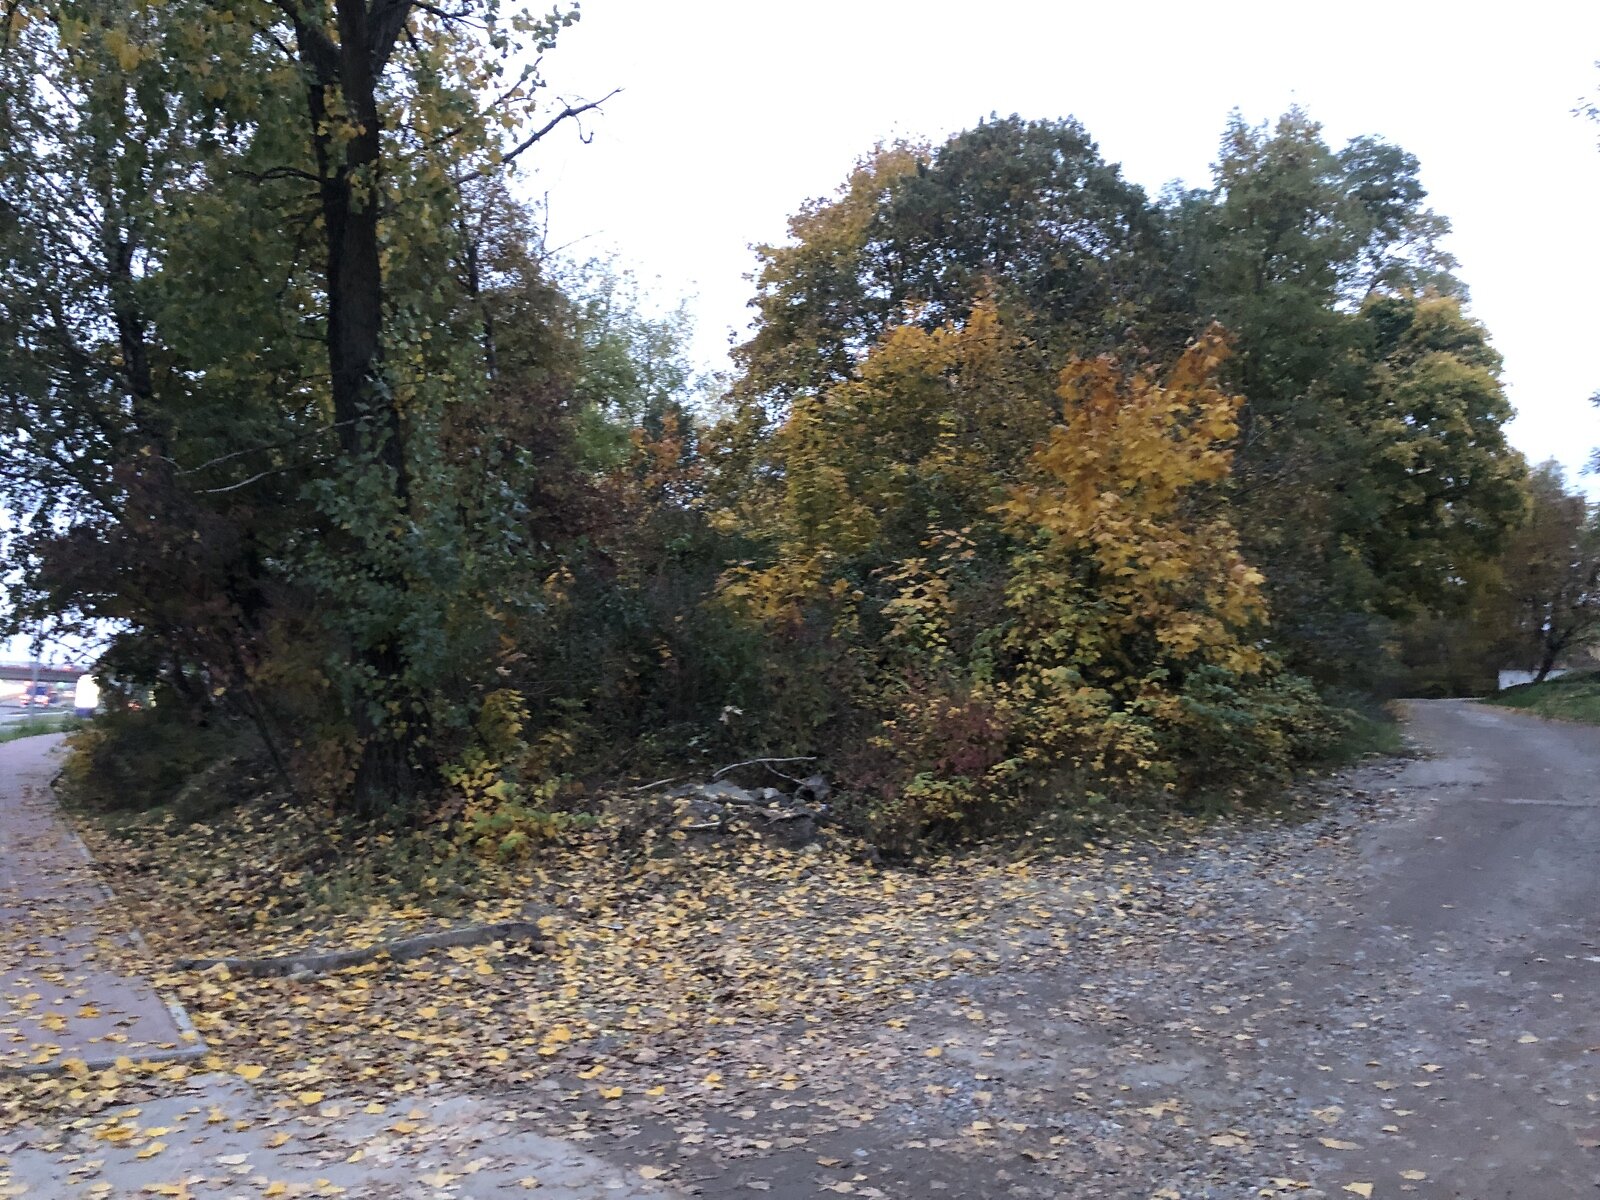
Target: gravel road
1396,998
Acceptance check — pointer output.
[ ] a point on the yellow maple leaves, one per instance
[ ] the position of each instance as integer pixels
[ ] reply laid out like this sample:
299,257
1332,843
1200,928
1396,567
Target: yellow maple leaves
1059,563
921,438
127,53
1109,510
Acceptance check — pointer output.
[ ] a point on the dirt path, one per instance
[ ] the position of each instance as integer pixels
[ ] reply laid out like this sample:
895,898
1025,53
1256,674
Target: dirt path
1396,997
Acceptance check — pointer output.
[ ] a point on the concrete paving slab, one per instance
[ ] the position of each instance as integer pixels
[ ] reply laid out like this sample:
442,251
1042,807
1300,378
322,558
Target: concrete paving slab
218,1140
71,988
69,982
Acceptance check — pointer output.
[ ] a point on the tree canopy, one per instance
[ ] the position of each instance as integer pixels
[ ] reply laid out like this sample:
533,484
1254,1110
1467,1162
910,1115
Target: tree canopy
1025,485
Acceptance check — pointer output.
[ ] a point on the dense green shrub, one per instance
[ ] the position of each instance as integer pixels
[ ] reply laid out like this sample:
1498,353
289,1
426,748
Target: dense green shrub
1239,738
132,759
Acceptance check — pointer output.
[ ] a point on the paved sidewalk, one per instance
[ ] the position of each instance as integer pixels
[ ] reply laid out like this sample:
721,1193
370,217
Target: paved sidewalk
71,989
68,990
215,1138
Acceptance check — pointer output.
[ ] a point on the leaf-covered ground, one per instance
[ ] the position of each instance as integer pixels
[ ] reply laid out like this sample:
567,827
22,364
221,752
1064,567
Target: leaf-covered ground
1241,1010
675,958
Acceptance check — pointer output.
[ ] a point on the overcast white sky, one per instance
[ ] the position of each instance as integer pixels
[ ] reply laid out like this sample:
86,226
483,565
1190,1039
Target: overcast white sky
736,112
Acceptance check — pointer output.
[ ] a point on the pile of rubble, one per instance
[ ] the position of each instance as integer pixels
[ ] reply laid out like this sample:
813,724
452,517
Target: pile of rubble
704,813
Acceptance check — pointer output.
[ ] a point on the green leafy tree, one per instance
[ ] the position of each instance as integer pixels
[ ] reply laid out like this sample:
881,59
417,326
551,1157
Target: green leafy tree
1441,487
1551,574
1027,210
1372,460
117,515
273,362
635,371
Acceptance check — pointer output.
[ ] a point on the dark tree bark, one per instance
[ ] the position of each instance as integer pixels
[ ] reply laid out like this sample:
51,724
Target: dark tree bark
393,726
369,425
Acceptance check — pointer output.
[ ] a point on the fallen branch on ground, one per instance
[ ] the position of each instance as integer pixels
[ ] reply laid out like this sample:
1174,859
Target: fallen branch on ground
764,762
313,963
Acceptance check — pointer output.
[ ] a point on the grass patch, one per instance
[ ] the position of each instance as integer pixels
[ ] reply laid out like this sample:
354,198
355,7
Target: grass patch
35,726
1573,697
1373,732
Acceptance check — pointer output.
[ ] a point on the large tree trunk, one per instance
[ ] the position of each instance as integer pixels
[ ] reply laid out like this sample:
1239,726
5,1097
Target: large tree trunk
389,724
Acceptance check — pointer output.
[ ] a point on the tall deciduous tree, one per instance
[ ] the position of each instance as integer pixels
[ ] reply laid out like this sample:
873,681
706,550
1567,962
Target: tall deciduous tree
1359,479
1372,456
420,70
1551,575
1027,210
251,184
108,141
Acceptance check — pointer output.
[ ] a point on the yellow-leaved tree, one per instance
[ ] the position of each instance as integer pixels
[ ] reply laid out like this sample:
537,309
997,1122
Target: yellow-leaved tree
1130,576
922,440
1011,592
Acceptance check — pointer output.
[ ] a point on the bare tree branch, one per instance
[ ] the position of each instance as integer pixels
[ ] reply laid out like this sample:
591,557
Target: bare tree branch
273,173
765,762
220,459
234,487
569,112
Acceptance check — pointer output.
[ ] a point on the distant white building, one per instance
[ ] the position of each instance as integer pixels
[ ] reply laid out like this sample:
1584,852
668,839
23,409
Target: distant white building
1518,678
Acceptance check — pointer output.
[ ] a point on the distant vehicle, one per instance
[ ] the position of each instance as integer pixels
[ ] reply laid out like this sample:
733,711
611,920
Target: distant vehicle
86,696
38,694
